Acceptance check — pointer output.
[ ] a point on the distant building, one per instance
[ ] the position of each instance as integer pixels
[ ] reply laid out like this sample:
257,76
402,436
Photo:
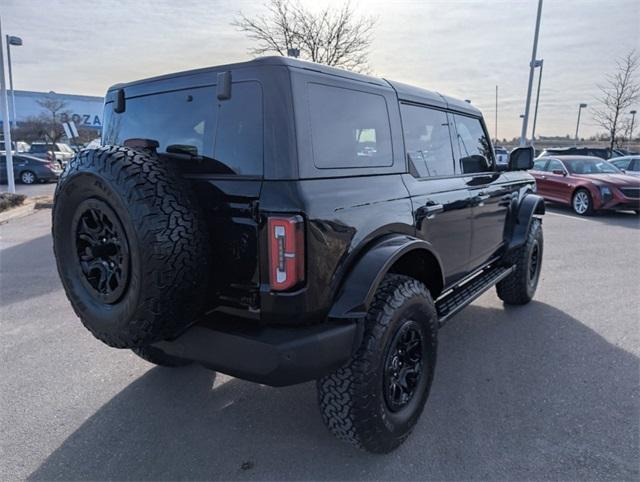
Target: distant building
84,110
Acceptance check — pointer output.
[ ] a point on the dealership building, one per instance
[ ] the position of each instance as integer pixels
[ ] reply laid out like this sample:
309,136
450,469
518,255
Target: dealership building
84,110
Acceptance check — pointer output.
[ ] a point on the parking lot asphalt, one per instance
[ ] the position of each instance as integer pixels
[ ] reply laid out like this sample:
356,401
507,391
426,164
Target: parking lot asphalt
545,391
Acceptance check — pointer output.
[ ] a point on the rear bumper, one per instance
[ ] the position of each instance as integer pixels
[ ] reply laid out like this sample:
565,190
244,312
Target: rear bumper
48,175
272,355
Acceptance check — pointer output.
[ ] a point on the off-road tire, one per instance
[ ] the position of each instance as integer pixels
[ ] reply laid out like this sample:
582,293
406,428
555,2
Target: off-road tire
519,287
163,234
157,357
352,399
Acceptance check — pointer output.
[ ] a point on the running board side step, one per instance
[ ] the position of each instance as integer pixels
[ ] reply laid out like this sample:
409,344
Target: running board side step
467,291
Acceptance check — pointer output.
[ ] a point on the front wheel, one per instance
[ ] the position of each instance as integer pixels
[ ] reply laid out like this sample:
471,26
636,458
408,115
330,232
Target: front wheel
582,203
375,400
519,287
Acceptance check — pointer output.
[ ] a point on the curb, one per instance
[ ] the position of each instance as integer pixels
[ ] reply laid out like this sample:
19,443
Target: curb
29,207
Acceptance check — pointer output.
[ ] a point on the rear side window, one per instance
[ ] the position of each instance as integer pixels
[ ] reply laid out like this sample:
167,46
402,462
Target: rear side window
227,133
554,165
473,149
539,165
622,163
427,141
349,128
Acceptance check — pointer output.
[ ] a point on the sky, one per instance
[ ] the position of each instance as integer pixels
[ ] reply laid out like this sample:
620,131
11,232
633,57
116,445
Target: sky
462,48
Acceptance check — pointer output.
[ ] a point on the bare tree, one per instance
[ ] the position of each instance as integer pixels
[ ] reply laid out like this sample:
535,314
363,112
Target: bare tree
335,37
619,92
49,122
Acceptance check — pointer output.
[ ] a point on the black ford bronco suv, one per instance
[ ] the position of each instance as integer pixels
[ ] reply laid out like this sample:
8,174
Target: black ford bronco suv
282,221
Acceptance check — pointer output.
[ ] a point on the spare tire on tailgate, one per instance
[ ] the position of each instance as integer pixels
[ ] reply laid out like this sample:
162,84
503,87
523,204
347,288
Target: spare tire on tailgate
130,246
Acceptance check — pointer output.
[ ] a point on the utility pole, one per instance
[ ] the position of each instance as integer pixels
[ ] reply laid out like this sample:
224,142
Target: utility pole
525,120
580,107
16,42
5,120
633,118
539,63
496,133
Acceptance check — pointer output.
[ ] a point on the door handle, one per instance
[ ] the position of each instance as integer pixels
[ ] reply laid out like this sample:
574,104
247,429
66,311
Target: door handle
428,211
479,199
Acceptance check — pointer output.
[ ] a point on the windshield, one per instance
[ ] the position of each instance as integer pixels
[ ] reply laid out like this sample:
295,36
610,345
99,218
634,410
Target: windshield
590,166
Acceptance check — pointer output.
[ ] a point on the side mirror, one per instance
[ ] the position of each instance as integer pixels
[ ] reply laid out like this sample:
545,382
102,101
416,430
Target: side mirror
521,158
559,172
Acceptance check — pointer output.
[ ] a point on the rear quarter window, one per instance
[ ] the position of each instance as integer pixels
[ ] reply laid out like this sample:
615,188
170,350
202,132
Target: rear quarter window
349,128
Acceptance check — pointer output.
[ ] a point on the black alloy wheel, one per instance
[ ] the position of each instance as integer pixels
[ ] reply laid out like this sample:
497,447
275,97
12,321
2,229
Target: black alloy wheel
403,366
102,250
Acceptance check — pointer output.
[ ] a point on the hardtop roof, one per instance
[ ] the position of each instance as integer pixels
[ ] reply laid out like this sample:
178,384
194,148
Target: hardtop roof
404,91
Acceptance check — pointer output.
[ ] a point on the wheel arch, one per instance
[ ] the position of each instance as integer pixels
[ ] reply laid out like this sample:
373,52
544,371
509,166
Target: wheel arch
520,219
399,254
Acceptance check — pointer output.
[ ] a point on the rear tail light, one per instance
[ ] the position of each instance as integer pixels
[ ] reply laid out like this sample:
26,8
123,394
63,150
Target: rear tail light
286,252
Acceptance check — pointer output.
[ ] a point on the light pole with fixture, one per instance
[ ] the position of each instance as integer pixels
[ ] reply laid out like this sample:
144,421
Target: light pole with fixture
16,42
538,63
582,106
532,66
633,118
4,110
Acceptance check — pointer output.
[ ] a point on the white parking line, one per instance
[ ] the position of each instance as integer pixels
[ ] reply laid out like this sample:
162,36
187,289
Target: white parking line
567,216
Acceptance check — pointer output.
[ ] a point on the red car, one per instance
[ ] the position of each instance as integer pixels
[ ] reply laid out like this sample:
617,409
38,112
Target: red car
587,184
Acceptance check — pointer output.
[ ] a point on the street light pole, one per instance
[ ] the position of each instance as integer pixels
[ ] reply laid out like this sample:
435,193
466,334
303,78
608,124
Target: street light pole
5,121
17,42
496,114
580,107
525,120
539,63
633,118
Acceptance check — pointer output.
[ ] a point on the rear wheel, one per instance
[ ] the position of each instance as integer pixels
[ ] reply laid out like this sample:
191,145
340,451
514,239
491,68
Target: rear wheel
375,400
28,177
582,203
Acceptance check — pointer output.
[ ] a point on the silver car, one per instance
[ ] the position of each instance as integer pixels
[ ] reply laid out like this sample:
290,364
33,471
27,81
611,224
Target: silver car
629,164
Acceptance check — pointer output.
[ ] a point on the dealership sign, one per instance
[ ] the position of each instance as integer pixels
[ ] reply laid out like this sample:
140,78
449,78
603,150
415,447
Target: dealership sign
82,120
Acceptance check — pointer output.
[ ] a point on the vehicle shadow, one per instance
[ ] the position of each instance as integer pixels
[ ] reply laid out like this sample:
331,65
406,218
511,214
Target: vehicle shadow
27,270
627,219
520,393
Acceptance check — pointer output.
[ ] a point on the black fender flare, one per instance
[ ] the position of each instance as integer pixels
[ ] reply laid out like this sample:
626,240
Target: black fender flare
361,282
520,219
